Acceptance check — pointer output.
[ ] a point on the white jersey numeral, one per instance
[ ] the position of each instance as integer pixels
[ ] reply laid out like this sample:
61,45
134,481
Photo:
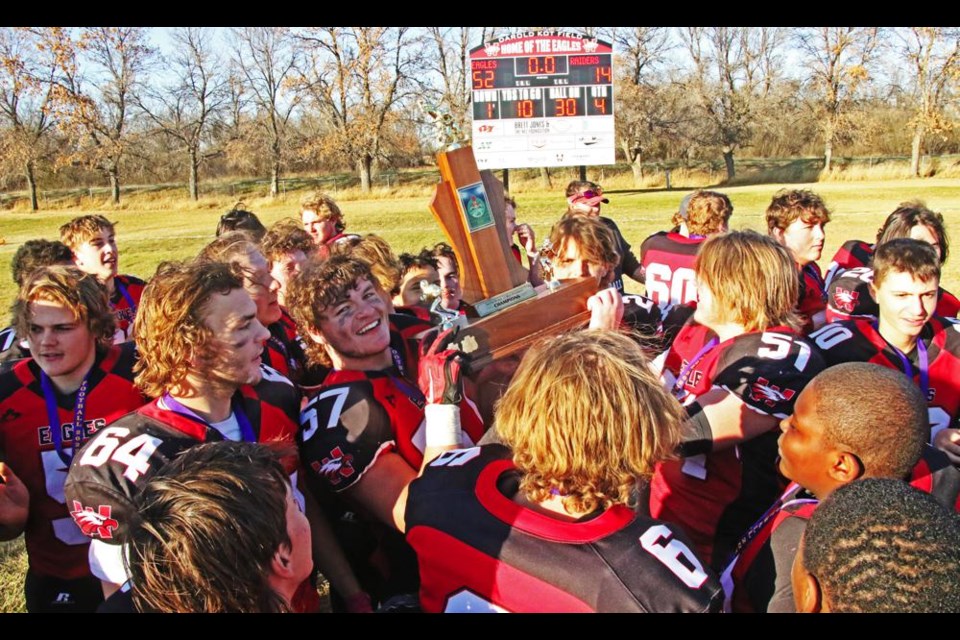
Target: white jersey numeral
455,458
830,335
659,542
309,417
666,285
55,474
939,420
134,455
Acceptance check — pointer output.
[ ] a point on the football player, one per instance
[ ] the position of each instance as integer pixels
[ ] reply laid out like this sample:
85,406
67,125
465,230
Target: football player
667,257
31,255
323,220
192,564
75,383
849,276
796,219
408,296
879,546
907,335
92,239
366,428
584,199
548,523
287,246
200,343
854,420
527,239
283,350
239,219
583,247
737,366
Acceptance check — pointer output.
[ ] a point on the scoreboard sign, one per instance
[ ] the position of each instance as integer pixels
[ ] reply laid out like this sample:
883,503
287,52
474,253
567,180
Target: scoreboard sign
542,100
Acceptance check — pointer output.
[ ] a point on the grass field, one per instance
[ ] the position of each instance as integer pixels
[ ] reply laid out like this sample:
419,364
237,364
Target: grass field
150,231
153,229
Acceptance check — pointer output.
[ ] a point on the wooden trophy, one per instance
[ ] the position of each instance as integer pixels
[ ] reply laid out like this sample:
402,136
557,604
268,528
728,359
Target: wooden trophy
509,313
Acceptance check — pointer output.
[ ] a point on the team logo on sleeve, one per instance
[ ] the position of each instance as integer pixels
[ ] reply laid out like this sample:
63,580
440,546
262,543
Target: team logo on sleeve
95,524
335,467
845,299
769,394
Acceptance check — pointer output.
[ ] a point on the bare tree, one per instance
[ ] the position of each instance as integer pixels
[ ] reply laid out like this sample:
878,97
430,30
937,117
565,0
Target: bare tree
357,78
184,109
933,54
267,58
450,67
25,86
733,69
838,61
94,91
646,108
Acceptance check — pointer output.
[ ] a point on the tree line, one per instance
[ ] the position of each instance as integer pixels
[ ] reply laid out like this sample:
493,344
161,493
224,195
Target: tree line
102,105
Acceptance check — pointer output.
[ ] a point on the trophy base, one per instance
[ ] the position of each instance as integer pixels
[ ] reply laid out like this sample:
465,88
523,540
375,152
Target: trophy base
515,328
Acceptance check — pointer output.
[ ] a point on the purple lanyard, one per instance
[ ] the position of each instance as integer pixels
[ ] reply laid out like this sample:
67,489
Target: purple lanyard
923,363
53,416
757,526
678,391
246,431
126,294
413,393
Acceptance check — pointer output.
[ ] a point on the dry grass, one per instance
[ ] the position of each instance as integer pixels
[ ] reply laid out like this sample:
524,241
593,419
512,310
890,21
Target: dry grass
13,568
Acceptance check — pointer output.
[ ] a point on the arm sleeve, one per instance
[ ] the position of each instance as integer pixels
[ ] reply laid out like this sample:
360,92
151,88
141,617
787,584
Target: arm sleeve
106,561
784,543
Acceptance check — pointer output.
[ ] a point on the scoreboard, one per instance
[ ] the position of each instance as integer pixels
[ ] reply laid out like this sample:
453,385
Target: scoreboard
542,100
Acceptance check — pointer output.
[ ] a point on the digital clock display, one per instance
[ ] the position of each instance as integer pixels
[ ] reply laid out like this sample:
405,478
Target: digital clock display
540,66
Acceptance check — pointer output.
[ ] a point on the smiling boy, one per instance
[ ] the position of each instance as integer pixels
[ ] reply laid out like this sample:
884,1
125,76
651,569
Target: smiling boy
908,335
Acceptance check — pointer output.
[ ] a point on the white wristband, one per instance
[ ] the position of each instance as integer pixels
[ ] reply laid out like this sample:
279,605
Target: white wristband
443,425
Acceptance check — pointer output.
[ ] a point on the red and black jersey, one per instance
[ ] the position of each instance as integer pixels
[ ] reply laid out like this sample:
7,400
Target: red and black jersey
667,260
55,545
716,496
284,349
757,579
654,325
413,311
101,483
858,340
853,254
127,291
849,297
813,295
355,415
12,349
948,305
479,551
